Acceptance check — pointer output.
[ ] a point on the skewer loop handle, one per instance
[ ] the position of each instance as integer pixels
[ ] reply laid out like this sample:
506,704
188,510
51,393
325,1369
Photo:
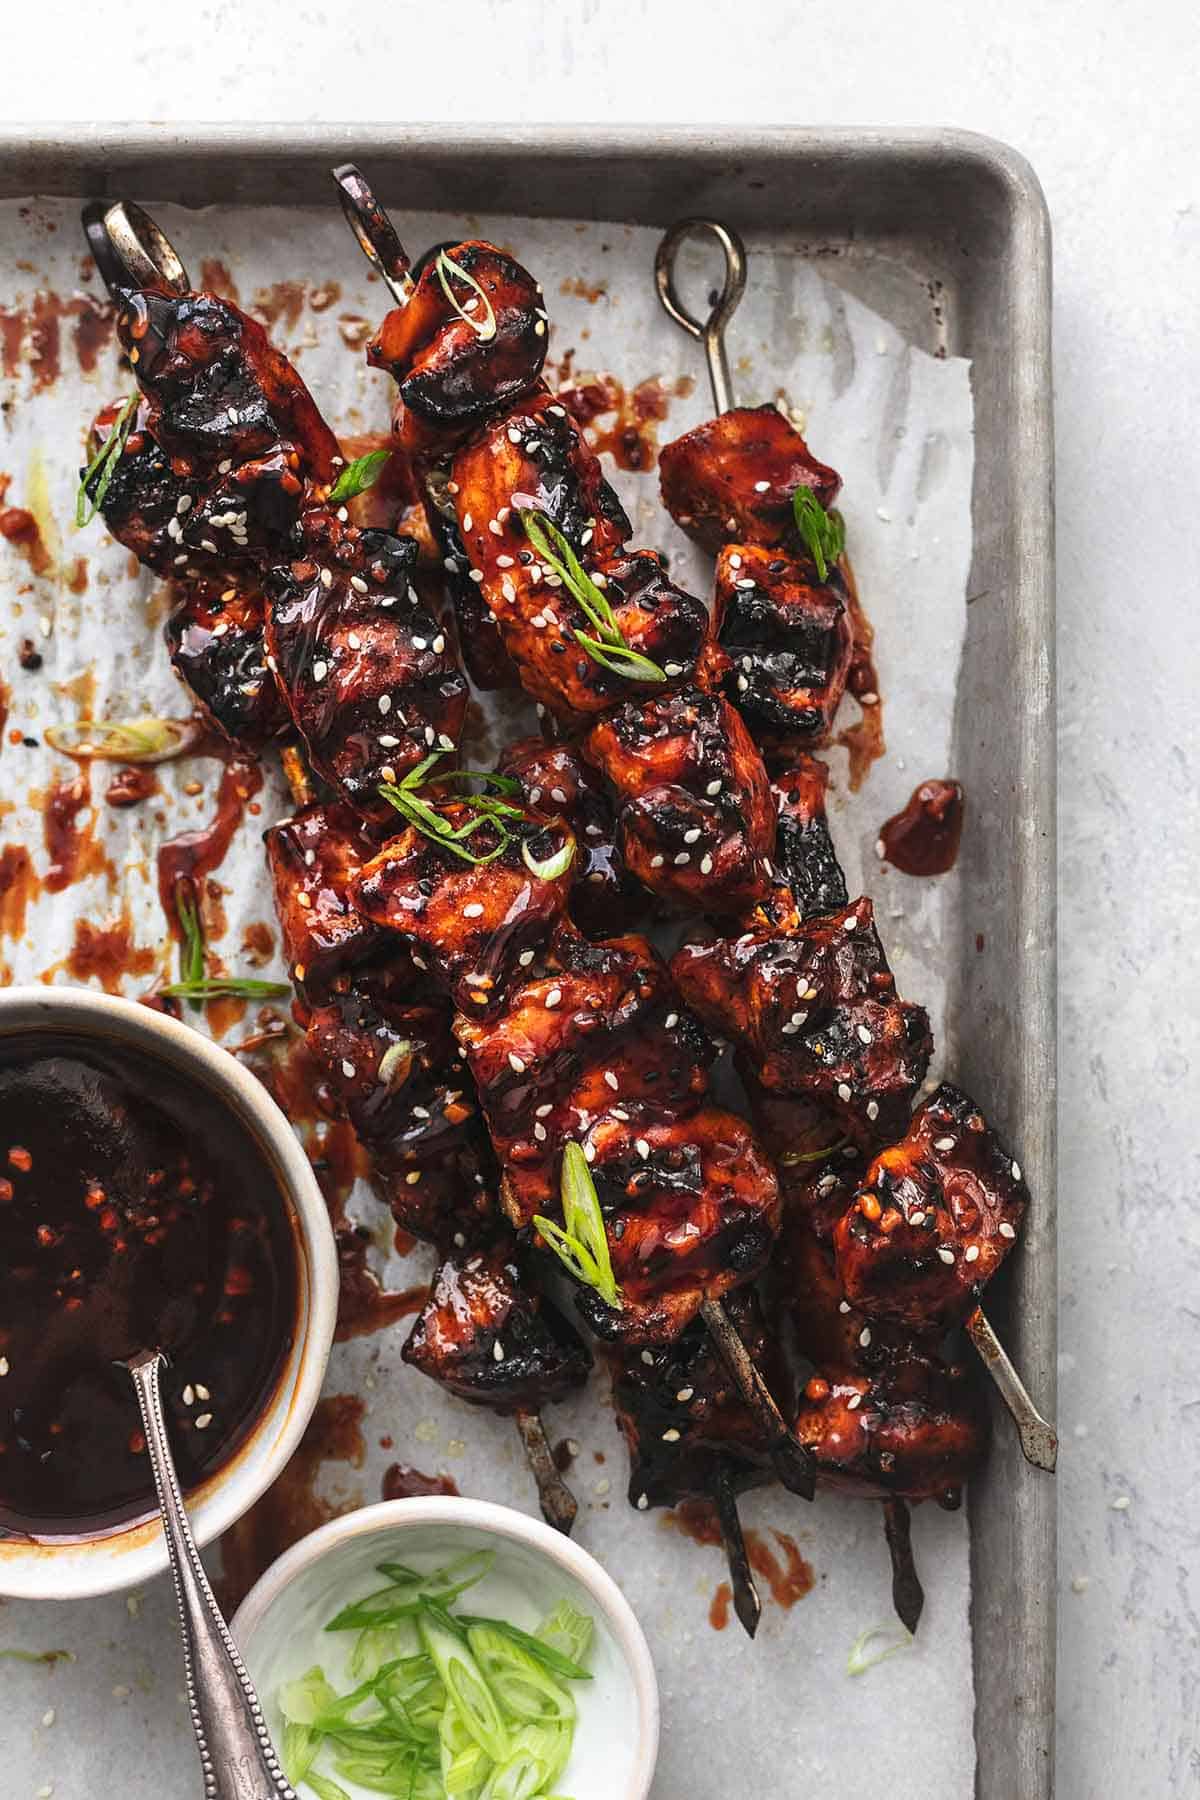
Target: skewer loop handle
710,331
130,250
374,231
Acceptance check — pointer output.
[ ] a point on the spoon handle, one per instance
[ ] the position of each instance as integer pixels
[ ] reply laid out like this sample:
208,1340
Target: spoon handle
236,1753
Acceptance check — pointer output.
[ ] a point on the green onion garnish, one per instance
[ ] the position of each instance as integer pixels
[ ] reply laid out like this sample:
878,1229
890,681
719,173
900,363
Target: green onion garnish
862,1657
447,270
581,1241
140,740
357,477
823,532
226,987
553,866
790,1158
89,500
191,948
484,809
608,647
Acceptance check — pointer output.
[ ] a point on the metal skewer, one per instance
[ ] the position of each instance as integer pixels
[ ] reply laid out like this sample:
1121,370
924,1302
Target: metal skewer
794,1464
130,250
746,1603
1039,1439
376,235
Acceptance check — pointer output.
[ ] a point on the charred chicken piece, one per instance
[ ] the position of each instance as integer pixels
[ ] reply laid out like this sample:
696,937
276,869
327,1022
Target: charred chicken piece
600,1036
392,1068
556,782
313,858
683,1421
803,847
790,639
475,925
731,480
691,1207
488,1336
214,634
693,805
816,1014
916,1427
367,672
935,1217
220,393
140,504
470,339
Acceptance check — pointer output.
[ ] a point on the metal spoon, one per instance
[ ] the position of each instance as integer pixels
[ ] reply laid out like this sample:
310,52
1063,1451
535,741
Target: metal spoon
236,1752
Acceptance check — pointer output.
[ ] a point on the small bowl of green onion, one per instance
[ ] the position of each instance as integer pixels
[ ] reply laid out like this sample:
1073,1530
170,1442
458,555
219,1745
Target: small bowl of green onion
450,1649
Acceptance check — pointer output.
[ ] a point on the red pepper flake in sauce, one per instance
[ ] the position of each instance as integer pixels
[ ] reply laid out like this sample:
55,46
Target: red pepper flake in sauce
130,786
924,838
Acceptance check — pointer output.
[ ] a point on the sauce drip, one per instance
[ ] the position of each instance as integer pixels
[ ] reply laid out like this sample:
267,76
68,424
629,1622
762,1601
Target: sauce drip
786,1572
718,1612
864,740
291,1507
22,530
134,1211
923,839
620,420
72,848
131,785
402,1483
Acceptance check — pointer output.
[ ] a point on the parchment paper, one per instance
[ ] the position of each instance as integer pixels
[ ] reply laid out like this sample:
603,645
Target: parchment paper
780,1716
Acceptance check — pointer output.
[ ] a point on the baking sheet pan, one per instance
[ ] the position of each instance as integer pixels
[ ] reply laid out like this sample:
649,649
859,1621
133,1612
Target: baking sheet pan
944,237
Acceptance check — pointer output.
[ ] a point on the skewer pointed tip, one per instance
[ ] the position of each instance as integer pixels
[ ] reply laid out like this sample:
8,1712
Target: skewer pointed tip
908,1596
559,1505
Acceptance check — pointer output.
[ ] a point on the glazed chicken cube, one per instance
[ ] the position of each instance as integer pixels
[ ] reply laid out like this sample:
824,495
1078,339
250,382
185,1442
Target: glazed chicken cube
488,1336
691,1208
601,1035
476,926
935,1217
804,850
916,1427
816,1014
556,782
470,339
731,480
367,672
790,640
313,859
214,634
140,503
220,393
537,462
693,805
685,1425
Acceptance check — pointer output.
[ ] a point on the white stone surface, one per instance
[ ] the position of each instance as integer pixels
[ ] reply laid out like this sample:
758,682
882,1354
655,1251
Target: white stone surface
1099,96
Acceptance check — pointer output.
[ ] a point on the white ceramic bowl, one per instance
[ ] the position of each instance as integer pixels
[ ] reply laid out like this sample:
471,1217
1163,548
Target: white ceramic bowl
279,1624
64,1570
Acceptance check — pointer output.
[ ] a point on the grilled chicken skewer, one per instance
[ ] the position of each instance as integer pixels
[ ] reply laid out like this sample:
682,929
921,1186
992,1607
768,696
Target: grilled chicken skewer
784,615
465,347
287,615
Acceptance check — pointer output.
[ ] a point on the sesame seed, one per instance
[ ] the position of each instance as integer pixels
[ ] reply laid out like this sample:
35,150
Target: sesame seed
413,1176
49,1716
326,577
498,1351
642,1148
385,703
872,1109
515,1063
611,1081
648,1358
747,581
864,1036
656,862
643,1502
943,1143
539,1132
843,1092
358,584
475,574
1016,1171
946,1255
691,837
682,858
553,998
671,1021
742,684
706,863
916,1218
589,1153
850,923
864,1336
1122,1503
761,487
544,1111
473,911
972,1253
1007,1230
189,1394
843,1306
387,742
420,644
203,1421
684,1395
854,1402
439,644
713,789
468,521
349,1071
525,958
671,1436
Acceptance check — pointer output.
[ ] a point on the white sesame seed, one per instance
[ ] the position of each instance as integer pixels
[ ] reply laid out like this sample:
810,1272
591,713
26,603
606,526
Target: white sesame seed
387,742
358,584
589,1153
971,1254
671,1021
539,1132
850,923
843,1306
203,1421
1016,1171
916,1218
943,1143
515,1063
706,863
498,1351
49,1716
642,1148
439,644
385,704
872,1109
1007,1230
468,522
189,1394
691,837
611,1081
420,643
643,1500
1122,1503
864,1035
656,862
475,574
946,1255
854,1402
413,1176
843,1092
864,1336
326,577
682,858
525,958
473,911
761,487
671,1436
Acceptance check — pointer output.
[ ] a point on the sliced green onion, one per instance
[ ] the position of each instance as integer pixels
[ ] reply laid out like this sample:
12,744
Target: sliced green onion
568,1634
619,659
823,532
555,548
357,477
862,1657
191,948
325,1788
389,1076
299,1748
553,1650
581,1241
447,269
465,1684
553,866
88,501
790,1158
523,1686
141,740
226,987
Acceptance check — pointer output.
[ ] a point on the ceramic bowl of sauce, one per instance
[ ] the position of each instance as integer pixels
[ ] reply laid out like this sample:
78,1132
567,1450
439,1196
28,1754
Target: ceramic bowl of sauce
151,1195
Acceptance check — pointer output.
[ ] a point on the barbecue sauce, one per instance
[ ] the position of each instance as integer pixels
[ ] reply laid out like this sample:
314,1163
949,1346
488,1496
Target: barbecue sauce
924,838
135,1211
